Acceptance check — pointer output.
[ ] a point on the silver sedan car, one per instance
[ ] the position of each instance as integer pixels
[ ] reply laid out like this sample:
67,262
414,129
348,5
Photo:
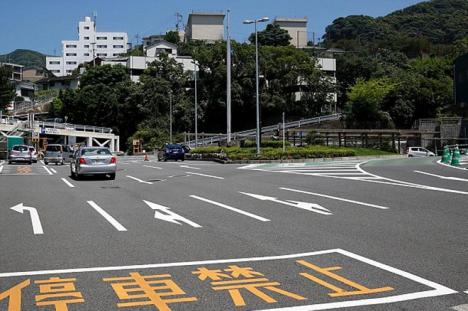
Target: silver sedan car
93,161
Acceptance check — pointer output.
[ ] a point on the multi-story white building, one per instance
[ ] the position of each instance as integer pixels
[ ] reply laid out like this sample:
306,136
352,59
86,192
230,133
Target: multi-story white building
90,44
205,26
296,28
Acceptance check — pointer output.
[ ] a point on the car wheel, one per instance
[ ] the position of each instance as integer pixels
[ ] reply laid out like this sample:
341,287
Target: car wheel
112,176
46,163
165,160
9,162
72,174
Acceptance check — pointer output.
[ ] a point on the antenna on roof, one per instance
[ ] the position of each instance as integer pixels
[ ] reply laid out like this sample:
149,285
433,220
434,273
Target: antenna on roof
95,18
179,21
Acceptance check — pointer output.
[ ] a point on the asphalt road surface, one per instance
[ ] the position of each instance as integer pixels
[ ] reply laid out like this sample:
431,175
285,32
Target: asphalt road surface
354,235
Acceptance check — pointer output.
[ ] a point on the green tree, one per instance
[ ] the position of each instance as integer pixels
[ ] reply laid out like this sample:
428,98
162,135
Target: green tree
7,89
273,35
172,37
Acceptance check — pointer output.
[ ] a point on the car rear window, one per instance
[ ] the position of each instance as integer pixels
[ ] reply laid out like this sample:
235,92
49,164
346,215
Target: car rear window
20,148
54,148
95,151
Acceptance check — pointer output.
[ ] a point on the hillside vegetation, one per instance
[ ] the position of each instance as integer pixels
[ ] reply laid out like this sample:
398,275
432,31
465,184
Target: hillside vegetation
24,57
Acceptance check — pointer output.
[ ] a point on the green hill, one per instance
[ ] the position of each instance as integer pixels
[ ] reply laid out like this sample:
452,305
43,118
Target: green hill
24,57
438,22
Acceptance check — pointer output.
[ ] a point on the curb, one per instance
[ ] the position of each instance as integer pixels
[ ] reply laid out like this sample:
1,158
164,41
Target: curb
455,167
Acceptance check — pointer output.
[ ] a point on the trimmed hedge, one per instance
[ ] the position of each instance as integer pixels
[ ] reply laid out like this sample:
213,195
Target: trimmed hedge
265,144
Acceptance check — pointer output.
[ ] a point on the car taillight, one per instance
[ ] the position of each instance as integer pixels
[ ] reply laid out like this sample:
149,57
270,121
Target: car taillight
113,160
82,161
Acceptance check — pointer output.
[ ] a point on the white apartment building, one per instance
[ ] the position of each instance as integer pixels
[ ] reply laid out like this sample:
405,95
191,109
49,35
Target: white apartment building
205,26
296,28
90,44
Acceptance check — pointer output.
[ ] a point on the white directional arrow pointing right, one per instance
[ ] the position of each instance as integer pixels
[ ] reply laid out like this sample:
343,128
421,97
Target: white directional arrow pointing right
164,213
35,221
312,207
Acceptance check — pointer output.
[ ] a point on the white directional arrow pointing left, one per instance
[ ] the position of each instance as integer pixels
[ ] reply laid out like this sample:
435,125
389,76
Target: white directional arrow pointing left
36,222
312,207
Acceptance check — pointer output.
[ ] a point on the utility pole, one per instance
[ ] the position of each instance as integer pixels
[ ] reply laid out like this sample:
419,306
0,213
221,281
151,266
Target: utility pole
284,137
170,116
228,84
196,104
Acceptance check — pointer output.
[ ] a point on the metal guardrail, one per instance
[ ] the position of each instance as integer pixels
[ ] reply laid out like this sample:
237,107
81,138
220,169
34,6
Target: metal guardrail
266,129
64,126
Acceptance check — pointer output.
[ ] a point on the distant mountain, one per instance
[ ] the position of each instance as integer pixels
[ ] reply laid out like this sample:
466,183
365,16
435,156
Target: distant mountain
436,21
24,57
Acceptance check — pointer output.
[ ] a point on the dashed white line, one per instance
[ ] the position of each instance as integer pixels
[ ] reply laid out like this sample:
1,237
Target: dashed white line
441,177
1,169
204,175
230,208
53,170
69,184
47,170
155,167
108,217
190,167
335,198
139,180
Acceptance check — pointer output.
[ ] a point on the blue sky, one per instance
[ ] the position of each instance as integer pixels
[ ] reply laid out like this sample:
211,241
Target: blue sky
41,24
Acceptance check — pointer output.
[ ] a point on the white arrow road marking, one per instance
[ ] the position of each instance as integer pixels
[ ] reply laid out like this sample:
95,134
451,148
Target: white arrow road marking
53,170
69,184
169,215
441,177
204,175
35,221
460,308
1,169
139,180
334,198
155,167
47,170
108,217
190,167
312,207
230,208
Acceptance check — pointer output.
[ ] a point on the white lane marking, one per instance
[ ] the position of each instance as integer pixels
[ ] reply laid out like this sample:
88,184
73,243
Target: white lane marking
312,207
35,220
335,198
204,175
47,170
460,307
53,170
108,217
408,184
230,208
42,161
139,180
168,215
441,177
436,289
69,184
1,169
190,167
451,166
155,167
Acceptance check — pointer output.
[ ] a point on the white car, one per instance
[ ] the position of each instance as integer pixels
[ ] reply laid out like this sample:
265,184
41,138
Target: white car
419,152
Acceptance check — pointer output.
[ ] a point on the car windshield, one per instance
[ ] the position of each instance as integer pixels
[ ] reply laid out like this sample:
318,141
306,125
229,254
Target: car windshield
95,151
20,148
173,146
54,148
31,149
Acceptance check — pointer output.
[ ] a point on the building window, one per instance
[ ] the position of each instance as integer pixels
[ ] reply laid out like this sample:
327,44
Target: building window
54,62
86,54
101,38
69,71
101,54
71,63
55,71
71,46
70,54
86,46
86,27
118,38
118,46
116,54
86,38
102,46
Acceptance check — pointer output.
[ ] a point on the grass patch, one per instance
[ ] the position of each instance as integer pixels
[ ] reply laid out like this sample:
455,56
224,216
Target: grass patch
271,153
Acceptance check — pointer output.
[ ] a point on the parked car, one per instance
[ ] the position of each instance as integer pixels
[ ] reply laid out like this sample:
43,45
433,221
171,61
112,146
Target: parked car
171,152
19,153
93,161
53,154
33,154
419,152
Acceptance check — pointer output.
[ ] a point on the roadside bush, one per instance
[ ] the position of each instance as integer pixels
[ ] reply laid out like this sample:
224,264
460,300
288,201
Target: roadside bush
265,144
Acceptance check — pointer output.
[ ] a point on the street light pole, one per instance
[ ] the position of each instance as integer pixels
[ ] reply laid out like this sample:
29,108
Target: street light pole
228,79
196,104
170,116
257,92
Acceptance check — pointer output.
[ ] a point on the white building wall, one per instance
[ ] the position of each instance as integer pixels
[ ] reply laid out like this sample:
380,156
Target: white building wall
90,43
296,28
205,26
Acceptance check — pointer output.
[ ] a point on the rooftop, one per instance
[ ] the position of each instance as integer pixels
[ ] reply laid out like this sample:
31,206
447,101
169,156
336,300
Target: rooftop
290,19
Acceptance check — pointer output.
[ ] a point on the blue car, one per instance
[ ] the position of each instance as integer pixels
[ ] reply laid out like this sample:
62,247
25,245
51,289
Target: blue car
172,152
